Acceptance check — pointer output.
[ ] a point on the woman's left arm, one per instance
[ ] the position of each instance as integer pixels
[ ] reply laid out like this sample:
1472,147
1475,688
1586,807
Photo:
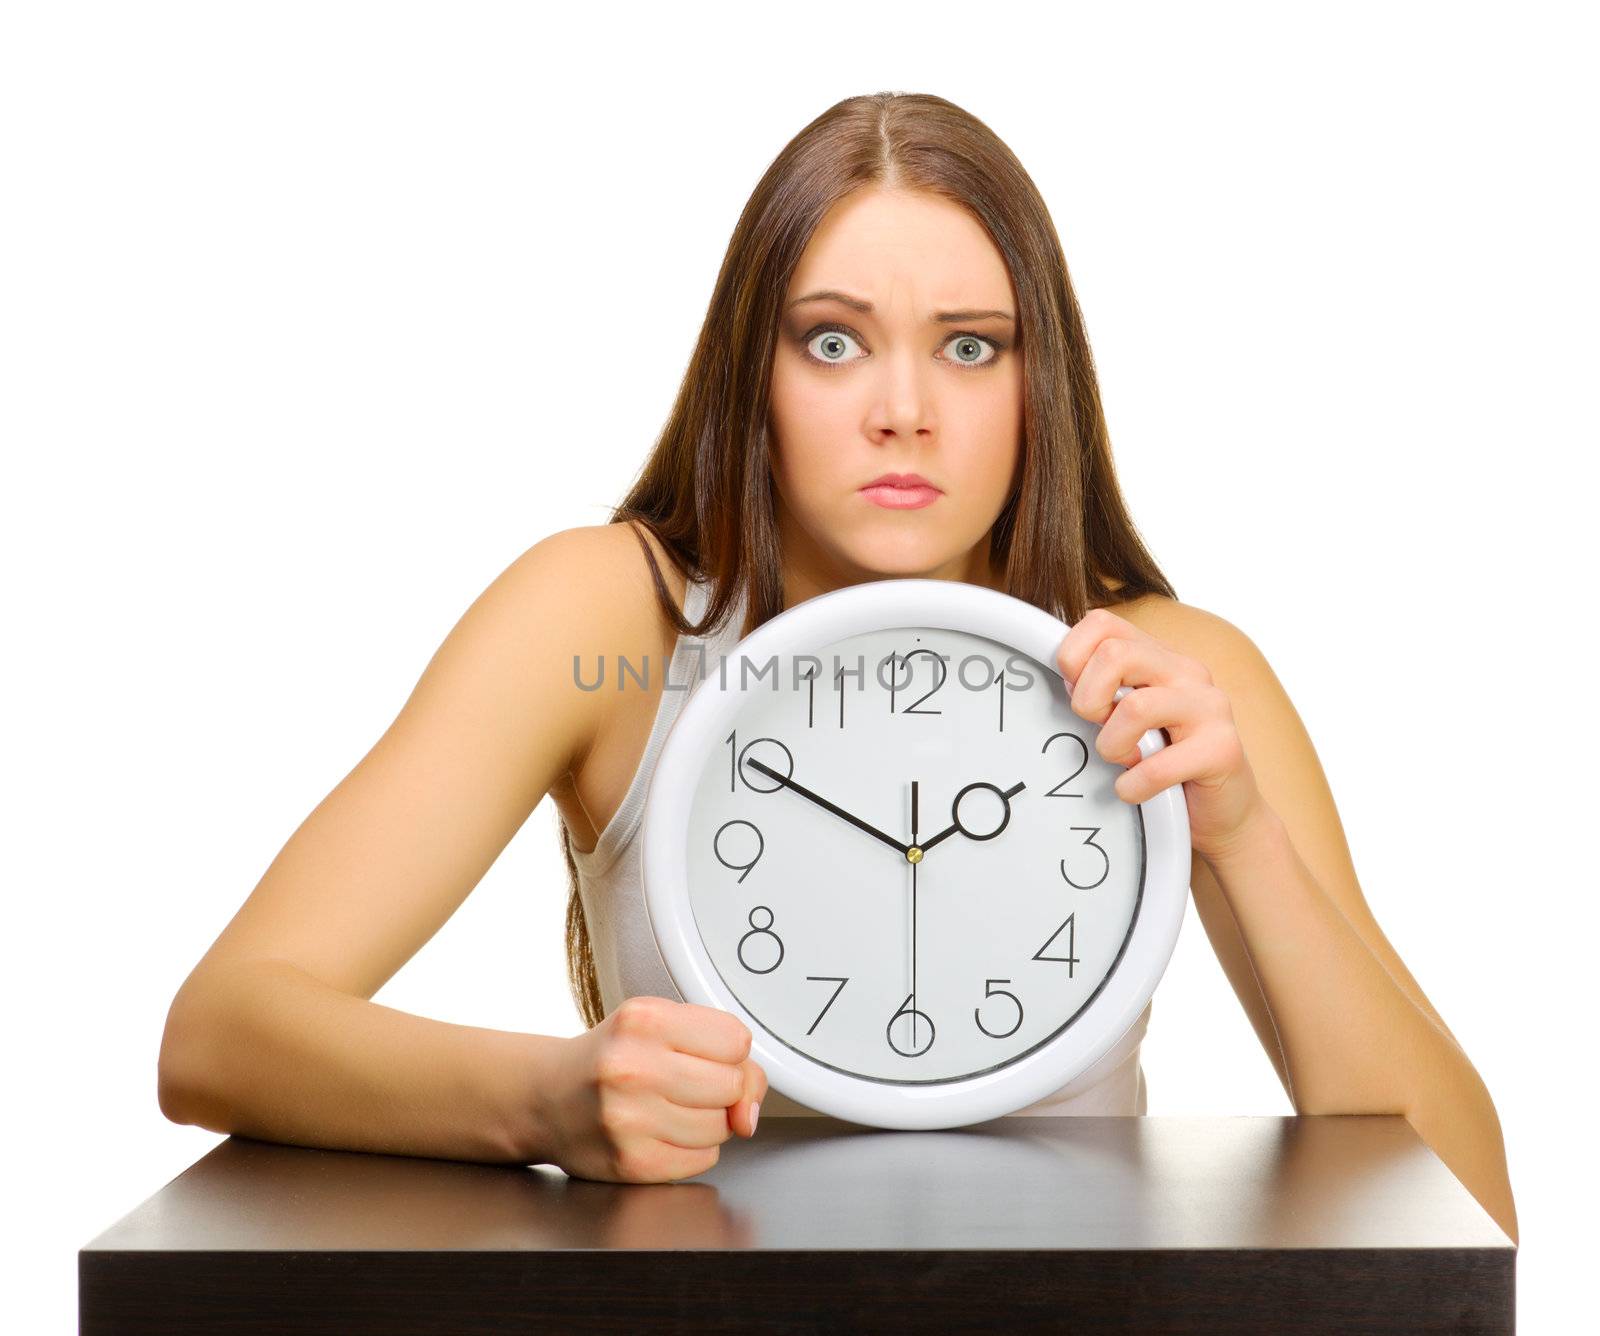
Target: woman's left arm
1354,1038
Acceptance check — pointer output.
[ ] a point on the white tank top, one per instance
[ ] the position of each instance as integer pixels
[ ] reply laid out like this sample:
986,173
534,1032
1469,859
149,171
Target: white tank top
627,961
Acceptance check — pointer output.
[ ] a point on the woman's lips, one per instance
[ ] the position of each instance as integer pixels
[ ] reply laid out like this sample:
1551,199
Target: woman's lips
900,498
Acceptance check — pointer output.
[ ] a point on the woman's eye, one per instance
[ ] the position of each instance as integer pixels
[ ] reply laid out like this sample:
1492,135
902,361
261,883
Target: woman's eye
829,344
970,346
830,347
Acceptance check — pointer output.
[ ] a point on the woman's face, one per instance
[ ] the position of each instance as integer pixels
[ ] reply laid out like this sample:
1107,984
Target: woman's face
909,365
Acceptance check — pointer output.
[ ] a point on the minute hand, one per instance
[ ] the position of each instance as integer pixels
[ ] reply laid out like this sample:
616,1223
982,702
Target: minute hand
954,826
820,801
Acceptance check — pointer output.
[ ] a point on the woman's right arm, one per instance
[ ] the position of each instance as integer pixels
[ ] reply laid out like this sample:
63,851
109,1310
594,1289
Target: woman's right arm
273,1033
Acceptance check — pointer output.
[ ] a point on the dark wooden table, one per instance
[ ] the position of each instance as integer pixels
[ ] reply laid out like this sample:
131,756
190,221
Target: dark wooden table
1153,1224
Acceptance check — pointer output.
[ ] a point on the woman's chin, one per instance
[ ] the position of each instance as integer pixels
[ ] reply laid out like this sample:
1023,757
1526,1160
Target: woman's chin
900,559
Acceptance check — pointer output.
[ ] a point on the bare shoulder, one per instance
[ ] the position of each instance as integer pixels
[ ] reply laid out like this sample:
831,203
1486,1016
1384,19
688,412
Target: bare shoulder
575,597
597,555
611,576
606,578
1189,629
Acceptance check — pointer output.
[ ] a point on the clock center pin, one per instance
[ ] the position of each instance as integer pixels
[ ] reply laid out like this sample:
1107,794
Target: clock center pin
913,854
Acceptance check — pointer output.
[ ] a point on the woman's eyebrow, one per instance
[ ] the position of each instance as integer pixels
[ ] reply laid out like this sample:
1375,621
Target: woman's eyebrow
941,317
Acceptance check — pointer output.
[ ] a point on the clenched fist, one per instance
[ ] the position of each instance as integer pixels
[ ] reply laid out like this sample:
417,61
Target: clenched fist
649,1095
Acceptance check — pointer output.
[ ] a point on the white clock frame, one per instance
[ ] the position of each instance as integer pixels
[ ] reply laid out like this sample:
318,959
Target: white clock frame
711,711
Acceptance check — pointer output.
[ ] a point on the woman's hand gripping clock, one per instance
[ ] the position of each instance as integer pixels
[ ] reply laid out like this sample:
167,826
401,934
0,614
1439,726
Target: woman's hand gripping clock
1126,680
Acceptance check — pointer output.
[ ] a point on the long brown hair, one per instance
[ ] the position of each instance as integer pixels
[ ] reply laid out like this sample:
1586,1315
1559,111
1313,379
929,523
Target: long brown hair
1064,538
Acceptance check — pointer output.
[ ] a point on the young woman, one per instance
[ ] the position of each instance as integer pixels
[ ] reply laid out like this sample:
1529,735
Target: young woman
894,301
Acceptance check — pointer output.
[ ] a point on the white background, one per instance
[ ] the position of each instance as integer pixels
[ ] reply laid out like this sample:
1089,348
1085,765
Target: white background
314,316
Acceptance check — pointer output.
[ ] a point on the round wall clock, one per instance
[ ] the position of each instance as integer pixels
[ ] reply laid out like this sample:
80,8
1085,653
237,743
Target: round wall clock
878,834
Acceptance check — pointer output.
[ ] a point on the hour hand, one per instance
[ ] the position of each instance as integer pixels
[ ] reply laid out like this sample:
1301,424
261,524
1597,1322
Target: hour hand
1005,796
820,801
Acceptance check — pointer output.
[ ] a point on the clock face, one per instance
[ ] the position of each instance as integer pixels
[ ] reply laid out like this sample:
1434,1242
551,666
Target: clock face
905,857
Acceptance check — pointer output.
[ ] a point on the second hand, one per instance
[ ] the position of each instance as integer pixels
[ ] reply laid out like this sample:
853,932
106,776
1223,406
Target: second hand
914,861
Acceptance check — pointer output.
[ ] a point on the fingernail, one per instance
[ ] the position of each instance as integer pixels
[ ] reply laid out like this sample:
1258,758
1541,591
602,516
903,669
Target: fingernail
755,1112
